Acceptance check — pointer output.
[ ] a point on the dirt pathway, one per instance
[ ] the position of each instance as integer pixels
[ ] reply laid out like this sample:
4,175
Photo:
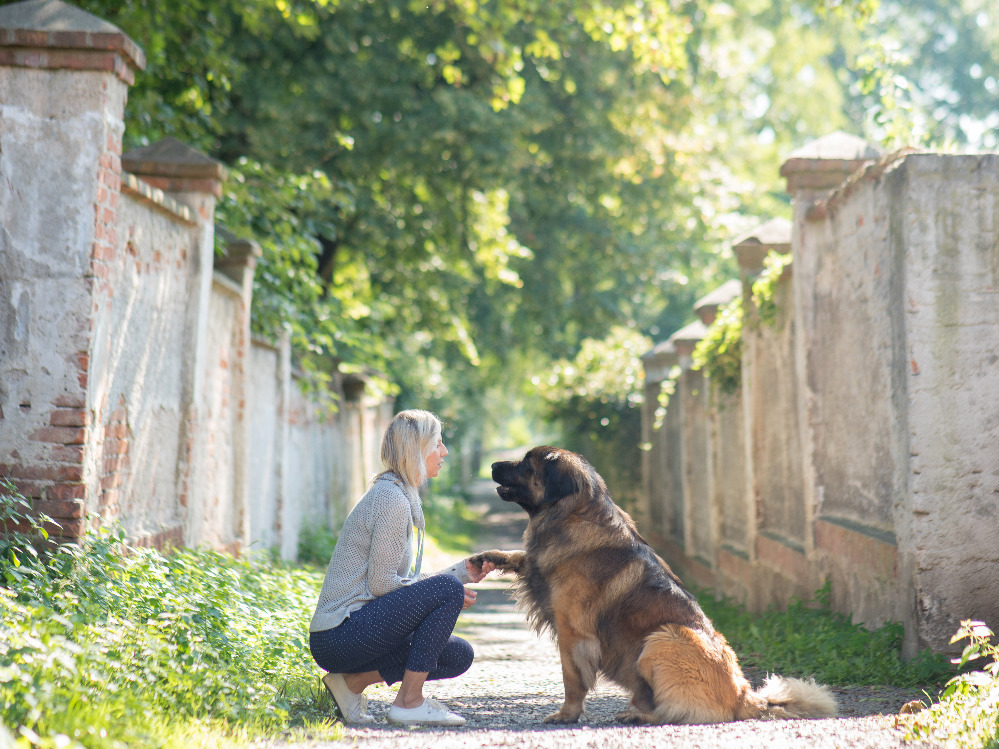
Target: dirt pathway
516,680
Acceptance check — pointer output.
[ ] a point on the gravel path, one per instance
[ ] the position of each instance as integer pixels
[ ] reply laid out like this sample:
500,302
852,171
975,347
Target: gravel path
516,680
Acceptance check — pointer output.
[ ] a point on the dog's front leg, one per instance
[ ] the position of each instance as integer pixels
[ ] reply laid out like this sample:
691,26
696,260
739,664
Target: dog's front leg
580,660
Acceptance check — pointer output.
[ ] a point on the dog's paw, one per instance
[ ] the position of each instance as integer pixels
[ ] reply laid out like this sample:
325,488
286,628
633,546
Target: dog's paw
631,716
563,716
505,561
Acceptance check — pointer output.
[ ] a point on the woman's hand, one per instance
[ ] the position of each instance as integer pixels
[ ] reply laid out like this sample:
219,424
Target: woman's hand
469,598
475,574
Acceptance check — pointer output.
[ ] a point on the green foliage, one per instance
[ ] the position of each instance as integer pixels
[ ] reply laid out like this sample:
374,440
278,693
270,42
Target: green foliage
450,522
808,638
315,546
21,531
596,398
967,713
719,353
108,646
765,287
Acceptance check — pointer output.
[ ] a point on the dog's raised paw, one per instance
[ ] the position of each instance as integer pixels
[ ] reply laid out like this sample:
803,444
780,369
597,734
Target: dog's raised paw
505,561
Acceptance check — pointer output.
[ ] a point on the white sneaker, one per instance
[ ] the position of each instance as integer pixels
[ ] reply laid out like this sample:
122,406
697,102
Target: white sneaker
353,708
430,713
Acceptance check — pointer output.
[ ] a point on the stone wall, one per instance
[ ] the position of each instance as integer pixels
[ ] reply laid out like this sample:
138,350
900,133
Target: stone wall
129,386
870,407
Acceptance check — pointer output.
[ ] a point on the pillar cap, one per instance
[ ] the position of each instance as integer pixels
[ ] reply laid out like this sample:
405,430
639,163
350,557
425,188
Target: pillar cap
51,34
826,162
706,308
173,166
752,247
238,253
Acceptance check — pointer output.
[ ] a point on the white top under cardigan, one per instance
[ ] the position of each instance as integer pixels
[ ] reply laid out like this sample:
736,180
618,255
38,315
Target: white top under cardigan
374,553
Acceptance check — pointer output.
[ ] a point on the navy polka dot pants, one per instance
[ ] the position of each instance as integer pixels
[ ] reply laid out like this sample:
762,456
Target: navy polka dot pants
407,629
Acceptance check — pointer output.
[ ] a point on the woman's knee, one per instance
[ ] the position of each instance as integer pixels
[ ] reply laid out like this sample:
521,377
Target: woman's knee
450,587
457,656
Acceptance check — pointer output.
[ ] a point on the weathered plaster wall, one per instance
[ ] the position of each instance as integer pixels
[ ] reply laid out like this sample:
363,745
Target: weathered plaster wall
124,340
951,515
268,382
871,410
728,470
60,140
138,368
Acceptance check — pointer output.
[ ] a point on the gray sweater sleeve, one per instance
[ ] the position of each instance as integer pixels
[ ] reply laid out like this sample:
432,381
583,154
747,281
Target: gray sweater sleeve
457,569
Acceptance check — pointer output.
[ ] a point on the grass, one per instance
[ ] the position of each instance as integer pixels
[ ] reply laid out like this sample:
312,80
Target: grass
451,521
809,639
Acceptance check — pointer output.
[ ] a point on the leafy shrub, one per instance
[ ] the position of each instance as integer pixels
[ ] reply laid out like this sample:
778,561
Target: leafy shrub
21,530
809,639
967,714
765,287
105,645
315,545
596,398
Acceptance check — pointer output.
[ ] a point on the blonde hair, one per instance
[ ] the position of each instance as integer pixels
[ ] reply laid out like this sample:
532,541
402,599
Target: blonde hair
410,437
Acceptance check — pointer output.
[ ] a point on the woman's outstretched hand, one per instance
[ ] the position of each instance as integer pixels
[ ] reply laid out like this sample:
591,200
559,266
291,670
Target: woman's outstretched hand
475,574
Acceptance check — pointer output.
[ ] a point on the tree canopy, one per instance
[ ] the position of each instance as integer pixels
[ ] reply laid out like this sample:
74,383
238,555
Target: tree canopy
460,193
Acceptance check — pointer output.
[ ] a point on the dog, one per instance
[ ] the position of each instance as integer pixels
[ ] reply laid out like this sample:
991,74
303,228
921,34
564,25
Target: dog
615,608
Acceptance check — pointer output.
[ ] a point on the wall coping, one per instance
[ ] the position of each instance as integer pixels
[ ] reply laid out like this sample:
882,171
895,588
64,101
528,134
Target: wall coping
869,173
146,193
53,35
239,254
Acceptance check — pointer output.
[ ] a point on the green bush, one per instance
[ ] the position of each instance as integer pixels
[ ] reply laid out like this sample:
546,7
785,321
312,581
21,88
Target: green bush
967,714
108,646
315,546
596,399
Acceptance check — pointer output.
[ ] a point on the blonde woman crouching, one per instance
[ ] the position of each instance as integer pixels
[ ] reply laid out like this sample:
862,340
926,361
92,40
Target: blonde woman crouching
378,617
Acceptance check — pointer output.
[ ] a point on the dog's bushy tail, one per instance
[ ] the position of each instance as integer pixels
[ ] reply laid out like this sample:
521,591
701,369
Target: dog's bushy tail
786,698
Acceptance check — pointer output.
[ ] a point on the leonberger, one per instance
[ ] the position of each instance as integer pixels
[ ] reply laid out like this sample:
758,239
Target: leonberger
615,608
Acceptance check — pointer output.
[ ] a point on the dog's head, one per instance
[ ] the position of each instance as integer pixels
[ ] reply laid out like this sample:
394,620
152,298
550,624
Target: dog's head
544,476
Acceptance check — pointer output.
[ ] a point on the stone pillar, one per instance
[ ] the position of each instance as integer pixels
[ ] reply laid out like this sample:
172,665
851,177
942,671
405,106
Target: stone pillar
238,263
659,470
64,78
813,172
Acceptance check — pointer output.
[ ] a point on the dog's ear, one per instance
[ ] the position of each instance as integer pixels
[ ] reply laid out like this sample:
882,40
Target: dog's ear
559,477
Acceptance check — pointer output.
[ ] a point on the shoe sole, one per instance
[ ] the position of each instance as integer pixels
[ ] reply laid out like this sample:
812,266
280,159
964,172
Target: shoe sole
438,723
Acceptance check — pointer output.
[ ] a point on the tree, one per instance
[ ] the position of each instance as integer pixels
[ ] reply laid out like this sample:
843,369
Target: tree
457,193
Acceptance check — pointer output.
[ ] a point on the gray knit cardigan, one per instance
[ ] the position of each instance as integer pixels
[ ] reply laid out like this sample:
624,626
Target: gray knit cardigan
374,553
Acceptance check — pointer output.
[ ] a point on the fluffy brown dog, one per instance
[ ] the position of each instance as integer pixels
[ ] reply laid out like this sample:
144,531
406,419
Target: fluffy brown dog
615,608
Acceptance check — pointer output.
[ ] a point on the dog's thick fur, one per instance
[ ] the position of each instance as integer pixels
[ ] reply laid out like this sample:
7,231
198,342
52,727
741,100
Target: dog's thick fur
615,608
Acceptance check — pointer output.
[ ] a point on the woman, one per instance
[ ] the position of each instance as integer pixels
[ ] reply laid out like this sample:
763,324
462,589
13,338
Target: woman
378,617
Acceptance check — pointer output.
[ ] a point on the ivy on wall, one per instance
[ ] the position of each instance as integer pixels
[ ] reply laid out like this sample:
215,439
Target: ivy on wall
719,354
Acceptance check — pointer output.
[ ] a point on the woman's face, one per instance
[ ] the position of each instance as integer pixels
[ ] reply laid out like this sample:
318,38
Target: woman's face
436,459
